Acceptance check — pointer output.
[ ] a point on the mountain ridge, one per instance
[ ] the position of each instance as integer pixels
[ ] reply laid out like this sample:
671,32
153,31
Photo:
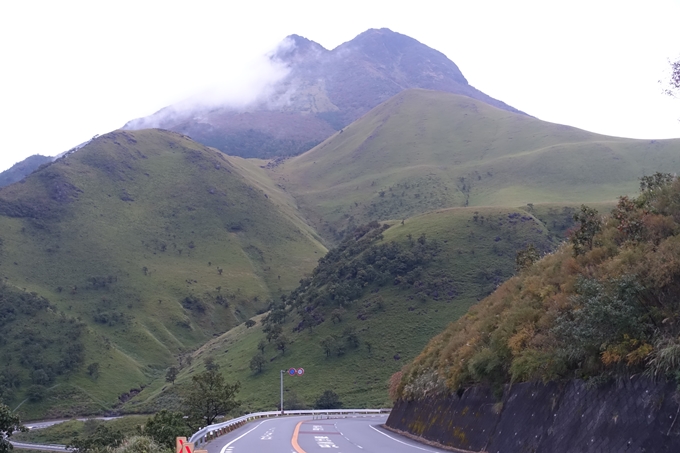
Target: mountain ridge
324,91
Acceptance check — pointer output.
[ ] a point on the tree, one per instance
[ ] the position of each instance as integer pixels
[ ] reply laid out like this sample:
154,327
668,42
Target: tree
329,344
9,423
328,400
209,396
351,337
673,88
36,393
525,258
274,333
250,323
590,224
171,374
210,364
281,344
93,370
257,363
261,346
655,181
165,426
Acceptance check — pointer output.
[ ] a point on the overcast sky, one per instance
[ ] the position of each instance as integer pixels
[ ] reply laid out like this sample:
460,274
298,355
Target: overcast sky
73,69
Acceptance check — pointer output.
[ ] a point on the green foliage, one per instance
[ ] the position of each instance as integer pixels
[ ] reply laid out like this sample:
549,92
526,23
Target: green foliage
655,182
609,309
209,396
102,439
83,230
141,444
396,319
602,314
9,423
257,363
526,257
165,426
328,400
36,393
589,225
425,151
171,374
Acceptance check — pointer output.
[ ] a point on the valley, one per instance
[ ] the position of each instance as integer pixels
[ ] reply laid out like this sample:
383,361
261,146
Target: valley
339,232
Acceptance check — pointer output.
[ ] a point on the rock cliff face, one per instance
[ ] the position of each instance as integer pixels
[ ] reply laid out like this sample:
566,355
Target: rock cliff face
323,91
633,415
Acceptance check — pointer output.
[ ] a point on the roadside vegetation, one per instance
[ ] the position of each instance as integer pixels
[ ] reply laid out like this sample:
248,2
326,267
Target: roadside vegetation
603,305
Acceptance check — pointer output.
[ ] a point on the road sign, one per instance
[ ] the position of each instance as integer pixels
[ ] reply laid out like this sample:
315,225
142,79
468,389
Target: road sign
292,371
300,371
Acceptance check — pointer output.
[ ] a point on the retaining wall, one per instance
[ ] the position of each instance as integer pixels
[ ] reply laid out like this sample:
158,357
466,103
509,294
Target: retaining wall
632,416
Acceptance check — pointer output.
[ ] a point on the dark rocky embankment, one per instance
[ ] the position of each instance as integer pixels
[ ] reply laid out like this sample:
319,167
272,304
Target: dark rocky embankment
632,415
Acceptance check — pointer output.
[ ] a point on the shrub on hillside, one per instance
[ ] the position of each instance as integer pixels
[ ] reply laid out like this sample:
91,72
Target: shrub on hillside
604,304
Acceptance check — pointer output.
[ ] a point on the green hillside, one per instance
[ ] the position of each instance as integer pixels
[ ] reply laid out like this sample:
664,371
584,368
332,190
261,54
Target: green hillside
603,306
21,169
153,243
375,301
425,150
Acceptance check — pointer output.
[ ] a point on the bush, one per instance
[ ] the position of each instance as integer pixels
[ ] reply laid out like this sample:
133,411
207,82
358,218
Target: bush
328,400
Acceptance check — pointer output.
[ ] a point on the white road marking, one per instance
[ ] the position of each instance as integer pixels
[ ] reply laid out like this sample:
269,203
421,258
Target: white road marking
268,434
317,428
325,442
397,440
224,449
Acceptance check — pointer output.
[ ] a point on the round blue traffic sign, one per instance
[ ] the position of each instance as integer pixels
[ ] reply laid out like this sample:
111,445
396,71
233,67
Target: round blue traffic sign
292,371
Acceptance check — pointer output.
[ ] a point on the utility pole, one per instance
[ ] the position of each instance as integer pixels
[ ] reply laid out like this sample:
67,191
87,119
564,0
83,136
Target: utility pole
282,371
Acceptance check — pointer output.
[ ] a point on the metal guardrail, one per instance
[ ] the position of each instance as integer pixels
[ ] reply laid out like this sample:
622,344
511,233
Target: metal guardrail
211,432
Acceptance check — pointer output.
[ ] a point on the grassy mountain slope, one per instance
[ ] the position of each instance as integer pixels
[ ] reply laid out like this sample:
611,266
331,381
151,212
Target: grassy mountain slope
603,309
21,169
156,243
473,252
424,150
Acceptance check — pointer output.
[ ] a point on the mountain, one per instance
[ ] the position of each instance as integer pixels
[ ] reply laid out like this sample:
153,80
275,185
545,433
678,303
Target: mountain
323,92
22,169
424,150
153,243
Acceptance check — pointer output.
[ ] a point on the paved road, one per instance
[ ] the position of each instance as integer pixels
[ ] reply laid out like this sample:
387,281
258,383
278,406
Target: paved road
306,435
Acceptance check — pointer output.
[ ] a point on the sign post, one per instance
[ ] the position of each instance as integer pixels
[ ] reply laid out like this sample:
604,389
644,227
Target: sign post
291,372
281,392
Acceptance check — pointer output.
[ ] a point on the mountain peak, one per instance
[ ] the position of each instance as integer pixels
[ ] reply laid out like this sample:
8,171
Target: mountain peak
296,48
322,92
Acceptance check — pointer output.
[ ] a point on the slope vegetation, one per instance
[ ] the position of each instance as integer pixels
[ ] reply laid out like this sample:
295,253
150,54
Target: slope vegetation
371,304
602,306
425,150
154,243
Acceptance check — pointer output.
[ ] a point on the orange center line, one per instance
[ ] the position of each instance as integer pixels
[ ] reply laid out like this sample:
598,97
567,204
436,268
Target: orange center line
294,439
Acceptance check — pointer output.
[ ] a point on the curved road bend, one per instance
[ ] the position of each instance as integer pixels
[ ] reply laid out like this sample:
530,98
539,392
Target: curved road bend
306,435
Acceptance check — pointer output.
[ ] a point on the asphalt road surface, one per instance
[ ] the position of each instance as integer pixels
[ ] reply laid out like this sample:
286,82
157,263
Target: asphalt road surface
361,434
